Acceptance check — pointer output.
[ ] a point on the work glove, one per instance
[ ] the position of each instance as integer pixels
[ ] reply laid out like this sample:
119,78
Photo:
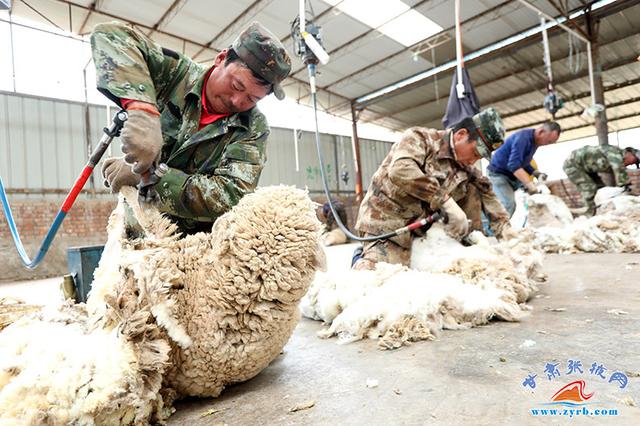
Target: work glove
141,140
117,174
456,223
531,188
627,187
539,175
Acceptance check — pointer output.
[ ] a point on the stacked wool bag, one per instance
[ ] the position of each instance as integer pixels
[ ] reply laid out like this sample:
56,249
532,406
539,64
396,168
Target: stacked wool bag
449,286
167,317
614,229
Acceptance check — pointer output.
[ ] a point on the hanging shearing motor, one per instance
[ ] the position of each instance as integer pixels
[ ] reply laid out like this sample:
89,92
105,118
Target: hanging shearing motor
552,102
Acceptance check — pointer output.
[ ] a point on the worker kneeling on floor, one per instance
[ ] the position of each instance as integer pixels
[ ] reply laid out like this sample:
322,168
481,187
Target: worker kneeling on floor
587,166
432,170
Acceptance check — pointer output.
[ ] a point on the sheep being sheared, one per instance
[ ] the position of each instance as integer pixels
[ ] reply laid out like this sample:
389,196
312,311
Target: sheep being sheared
613,230
166,317
449,286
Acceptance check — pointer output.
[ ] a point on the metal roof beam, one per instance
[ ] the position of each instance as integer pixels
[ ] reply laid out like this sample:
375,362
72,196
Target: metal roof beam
95,7
609,120
239,21
356,42
391,58
542,86
168,15
604,8
573,98
512,73
574,114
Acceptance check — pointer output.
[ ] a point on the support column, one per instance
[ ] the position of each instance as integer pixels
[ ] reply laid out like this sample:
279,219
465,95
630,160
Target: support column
602,128
355,143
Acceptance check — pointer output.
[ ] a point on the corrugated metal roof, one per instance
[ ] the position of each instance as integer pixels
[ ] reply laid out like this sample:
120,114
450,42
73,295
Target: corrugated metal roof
364,60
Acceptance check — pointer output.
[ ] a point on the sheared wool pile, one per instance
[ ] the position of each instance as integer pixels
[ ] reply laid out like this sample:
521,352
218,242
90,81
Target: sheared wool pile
167,317
449,286
614,229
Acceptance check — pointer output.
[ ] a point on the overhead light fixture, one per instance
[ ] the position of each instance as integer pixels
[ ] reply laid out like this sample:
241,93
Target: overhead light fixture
393,18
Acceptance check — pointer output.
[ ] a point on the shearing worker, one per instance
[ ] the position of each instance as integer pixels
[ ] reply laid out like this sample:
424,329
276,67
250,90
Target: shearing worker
584,165
510,166
430,170
202,122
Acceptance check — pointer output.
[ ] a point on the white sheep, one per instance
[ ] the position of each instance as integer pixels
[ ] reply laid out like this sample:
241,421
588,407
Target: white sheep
166,317
449,286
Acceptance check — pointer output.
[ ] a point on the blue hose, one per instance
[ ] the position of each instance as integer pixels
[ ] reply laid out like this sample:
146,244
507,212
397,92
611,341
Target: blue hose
57,221
109,133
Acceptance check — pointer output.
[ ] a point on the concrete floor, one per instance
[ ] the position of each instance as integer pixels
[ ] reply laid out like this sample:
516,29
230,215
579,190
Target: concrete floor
465,377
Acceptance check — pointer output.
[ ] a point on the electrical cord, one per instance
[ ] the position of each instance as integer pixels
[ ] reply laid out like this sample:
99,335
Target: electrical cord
412,226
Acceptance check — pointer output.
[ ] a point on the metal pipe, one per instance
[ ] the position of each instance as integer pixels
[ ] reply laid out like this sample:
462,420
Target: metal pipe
13,58
551,18
547,54
459,59
355,144
575,33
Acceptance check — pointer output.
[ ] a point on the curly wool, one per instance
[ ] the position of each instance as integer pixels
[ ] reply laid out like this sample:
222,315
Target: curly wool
167,317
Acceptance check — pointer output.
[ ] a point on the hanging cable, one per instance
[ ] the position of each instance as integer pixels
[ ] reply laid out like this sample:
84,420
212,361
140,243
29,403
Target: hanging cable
110,133
307,40
575,57
552,102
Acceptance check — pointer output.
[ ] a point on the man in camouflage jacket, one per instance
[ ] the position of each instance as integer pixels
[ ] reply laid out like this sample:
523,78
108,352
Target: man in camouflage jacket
584,164
202,123
427,171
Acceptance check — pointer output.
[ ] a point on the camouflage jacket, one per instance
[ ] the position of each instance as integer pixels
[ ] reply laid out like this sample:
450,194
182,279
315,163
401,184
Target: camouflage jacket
599,159
209,169
416,177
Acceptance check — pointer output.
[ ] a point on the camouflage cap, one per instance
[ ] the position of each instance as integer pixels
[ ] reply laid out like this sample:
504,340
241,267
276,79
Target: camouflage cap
264,54
491,132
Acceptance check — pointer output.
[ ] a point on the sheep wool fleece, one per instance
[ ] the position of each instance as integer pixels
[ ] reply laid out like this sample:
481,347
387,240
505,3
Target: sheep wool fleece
167,317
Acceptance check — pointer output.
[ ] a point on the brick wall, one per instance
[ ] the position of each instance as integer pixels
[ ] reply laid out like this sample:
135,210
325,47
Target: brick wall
85,224
570,195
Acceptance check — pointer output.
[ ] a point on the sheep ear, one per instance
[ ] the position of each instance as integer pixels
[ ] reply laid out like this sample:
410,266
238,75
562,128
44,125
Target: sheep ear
321,259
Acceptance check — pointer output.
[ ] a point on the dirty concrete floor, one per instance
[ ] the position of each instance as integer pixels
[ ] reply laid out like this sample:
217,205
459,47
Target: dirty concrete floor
470,377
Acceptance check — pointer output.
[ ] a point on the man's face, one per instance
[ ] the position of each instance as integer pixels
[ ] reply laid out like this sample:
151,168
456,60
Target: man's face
546,137
629,159
466,152
232,88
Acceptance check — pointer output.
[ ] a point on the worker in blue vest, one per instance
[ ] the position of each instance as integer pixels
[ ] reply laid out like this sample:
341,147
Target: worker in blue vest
510,168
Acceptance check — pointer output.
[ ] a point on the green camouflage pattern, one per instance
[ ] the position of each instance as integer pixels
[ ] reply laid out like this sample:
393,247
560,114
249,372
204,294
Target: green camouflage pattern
415,178
583,165
264,54
210,169
491,131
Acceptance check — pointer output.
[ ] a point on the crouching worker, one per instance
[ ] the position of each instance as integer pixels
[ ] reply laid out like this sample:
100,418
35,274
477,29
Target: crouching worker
427,171
584,165
201,123
333,235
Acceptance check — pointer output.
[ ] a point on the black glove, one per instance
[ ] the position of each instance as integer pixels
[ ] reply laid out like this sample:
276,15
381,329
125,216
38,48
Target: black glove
540,176
627,187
